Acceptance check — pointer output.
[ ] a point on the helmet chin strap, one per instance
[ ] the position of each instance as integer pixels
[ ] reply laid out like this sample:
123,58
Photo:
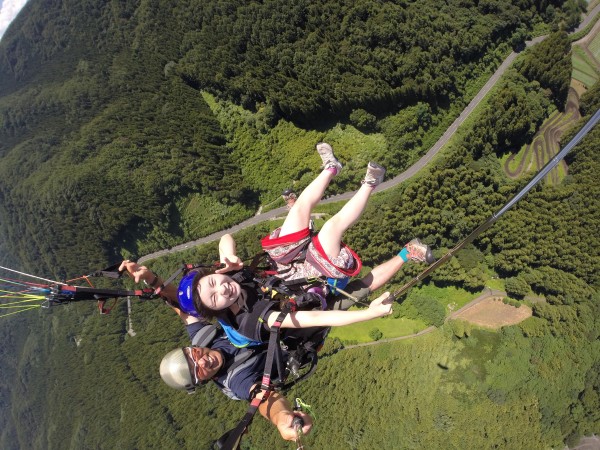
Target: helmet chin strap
239,302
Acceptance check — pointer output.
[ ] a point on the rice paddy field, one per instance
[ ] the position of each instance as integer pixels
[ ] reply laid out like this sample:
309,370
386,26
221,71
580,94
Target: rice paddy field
532,157
585,69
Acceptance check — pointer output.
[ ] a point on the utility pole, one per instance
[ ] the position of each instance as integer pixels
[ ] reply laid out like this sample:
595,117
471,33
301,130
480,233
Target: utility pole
130,330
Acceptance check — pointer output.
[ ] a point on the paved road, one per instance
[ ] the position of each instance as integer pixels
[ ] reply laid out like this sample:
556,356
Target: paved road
408,173
590,16
411,171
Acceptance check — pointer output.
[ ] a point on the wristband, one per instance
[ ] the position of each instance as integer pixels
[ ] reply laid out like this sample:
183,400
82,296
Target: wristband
404,254
153,282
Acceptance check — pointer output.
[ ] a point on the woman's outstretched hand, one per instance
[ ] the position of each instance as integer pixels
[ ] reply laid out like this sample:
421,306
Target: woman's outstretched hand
137,272
380,306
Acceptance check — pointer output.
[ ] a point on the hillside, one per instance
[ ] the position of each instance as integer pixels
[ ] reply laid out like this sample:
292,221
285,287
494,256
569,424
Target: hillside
164,131
107,144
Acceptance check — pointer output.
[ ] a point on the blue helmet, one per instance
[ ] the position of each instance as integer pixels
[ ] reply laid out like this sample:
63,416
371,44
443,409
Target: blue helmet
185,293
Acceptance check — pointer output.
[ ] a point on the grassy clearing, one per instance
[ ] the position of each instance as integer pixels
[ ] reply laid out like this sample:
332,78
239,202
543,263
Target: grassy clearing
390,328
452,298
195,221
495,283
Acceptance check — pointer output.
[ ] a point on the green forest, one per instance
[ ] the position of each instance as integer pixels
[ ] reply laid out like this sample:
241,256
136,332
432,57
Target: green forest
103,124
129,127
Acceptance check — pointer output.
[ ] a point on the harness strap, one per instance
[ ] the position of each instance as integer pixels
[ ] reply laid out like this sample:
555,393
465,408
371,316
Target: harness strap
240,359
205,335
232,438
109,272
184,268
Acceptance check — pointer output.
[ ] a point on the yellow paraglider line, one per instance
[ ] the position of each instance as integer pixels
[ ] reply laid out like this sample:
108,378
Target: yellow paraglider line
17,304
20,310
19,301
17,295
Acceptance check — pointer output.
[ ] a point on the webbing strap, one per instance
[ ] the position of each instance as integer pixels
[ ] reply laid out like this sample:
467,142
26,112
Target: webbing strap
89,293
184,268
108,272
233,437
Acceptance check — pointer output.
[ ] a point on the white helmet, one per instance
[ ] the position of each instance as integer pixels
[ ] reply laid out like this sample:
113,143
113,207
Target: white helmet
175,370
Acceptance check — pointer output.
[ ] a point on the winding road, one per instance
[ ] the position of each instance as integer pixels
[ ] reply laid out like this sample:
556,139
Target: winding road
408,173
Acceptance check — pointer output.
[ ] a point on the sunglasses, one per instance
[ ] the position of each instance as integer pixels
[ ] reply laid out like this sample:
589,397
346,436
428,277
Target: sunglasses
193,366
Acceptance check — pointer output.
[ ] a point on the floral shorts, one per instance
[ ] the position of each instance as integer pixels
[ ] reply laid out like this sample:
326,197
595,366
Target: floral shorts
300,255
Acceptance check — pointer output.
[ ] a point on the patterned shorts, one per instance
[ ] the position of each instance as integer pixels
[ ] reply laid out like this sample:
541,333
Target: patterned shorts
287,252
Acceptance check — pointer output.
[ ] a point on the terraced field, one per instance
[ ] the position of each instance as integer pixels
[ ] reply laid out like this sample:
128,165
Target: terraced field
585,69
545,144
586,59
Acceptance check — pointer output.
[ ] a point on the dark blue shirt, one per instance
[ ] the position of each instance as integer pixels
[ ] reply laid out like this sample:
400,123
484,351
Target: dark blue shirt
239,385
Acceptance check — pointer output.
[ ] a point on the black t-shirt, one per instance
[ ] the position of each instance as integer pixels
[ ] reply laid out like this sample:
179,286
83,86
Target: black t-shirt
251,320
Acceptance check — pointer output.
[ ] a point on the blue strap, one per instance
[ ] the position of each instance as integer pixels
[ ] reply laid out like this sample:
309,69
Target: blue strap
236,338
337,283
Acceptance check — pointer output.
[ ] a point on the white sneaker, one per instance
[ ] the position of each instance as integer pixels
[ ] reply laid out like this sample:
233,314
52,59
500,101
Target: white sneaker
375,174
417,251
329,160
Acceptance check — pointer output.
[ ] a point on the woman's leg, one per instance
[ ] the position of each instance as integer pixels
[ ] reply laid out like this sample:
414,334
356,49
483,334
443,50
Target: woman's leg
331,234
299,216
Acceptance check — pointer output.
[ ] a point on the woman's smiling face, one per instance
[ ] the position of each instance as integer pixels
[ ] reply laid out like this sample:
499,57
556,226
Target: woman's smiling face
218,291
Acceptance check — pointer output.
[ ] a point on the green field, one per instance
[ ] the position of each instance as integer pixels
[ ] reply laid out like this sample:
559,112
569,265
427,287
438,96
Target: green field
594,46
451,297
390,328
584,70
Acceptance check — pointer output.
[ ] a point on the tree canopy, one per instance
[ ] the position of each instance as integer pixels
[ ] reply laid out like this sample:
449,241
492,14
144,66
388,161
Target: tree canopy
111,143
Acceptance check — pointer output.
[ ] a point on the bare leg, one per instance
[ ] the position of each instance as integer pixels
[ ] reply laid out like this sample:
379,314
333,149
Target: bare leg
331,234
299,216
382,273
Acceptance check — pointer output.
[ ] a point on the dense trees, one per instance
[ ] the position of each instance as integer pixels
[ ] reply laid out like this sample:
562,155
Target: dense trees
104,138
312,59
109,142
116,107
550,64
516,287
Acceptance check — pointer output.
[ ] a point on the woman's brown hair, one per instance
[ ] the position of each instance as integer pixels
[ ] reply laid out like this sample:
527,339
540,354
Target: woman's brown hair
204,311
